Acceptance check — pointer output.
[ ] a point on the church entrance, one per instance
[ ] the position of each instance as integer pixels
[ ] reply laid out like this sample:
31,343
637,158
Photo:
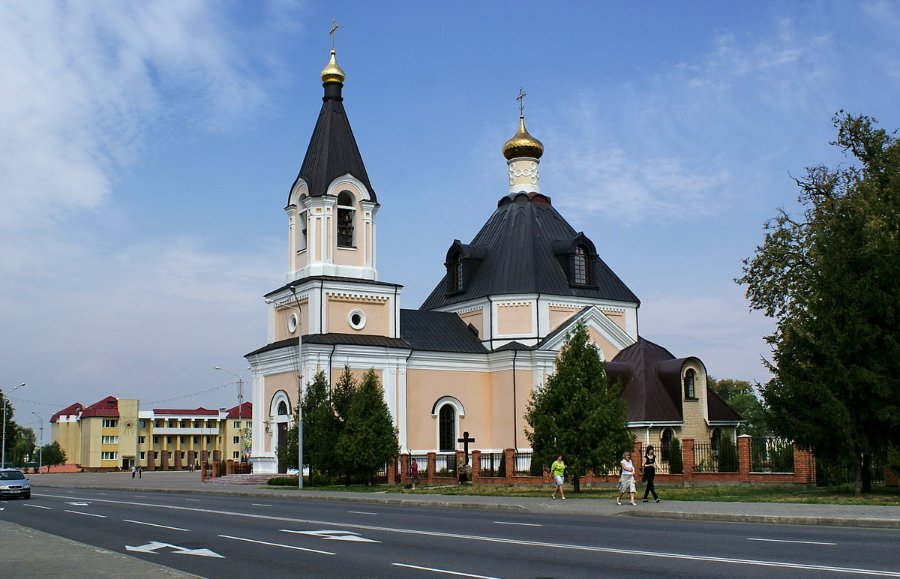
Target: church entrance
282,443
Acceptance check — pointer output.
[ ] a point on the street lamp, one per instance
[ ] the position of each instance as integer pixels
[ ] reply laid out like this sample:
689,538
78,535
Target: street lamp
299,329
41,451
240,380
5,404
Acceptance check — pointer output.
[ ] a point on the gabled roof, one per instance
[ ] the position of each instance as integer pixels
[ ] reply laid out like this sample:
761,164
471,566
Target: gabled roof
242,411
332,150
106,408
335,339
438,332
70,410
519,252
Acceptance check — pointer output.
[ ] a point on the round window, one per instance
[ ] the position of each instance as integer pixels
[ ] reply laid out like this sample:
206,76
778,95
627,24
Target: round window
357,319
292,323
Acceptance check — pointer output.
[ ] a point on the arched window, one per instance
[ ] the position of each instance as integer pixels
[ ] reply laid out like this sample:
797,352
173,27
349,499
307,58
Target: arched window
455,273
689,391
282,408
580,269
715,441
301,237
447,428
667,436
346,218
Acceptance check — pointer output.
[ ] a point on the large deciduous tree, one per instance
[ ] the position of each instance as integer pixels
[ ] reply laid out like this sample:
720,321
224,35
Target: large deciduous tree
742,397
829,279
53,455
578,414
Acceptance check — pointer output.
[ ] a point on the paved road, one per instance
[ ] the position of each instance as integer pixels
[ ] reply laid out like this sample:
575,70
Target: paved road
280,536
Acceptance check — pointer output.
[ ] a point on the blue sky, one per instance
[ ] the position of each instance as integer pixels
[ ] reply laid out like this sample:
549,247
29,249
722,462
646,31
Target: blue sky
148,148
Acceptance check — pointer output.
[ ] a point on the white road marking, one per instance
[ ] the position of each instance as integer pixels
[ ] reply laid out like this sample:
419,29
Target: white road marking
518,524
259,505
86,514
787,541
155,525
334,535
38,506
682,556
362,513
192,500
444,571
77,504
152,546
277,545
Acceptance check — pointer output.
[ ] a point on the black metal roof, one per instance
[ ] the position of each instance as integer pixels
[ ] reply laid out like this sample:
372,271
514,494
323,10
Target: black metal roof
335,339
332,149
438,332
351,280
517,251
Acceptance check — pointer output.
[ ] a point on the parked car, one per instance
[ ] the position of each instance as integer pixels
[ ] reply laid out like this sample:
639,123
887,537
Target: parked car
14,484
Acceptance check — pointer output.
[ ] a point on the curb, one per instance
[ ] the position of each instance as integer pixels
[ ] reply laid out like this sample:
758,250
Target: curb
771,519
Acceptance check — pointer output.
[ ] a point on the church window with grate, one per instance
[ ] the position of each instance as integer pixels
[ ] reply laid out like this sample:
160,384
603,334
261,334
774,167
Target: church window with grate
580,269
345,220
455,273
447,428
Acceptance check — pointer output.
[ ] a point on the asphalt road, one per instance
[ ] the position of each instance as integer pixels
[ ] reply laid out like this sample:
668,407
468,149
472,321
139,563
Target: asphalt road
227,536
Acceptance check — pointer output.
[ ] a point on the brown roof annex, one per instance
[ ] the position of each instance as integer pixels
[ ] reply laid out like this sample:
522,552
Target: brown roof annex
106,408
242,412
650,377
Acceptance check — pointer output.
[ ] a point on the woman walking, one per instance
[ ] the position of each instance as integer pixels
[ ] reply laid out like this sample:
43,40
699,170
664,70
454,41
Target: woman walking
650,472
558,472
626,480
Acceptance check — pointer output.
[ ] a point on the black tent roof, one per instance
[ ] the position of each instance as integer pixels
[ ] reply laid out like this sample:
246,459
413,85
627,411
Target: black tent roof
517,251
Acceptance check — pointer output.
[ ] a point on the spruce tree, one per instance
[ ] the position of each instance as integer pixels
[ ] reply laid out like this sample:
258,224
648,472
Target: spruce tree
368,438
676,461
578,414
320,427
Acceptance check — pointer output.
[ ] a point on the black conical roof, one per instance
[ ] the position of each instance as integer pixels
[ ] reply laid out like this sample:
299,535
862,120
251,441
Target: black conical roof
518,251
332,149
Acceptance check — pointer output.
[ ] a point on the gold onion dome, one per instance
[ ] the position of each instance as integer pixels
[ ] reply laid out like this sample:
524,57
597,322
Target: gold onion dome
522,144
332,72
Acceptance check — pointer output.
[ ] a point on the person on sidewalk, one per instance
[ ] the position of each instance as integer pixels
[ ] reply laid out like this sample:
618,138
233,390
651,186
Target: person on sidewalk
650,472
626,480
133,471
414,471
558,472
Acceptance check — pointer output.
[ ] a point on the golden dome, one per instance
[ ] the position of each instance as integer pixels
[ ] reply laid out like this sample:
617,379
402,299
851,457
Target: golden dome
332,72
522,144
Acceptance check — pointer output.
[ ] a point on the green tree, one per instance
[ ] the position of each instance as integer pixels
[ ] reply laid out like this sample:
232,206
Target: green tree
24,447
728,455
578,414
54,455
829,280
320,426
676,460
368,438
742,397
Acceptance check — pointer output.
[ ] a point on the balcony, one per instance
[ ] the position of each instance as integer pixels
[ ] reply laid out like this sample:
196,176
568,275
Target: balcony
188,431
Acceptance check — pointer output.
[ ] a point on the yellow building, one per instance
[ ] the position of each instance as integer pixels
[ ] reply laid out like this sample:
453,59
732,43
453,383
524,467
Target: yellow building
115,434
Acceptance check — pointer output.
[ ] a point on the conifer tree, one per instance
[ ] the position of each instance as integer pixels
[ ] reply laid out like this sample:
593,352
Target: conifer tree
578,414
368,438
320,427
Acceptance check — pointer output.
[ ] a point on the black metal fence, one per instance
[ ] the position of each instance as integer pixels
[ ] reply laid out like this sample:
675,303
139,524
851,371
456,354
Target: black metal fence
523,466
492,464
445,464
771,455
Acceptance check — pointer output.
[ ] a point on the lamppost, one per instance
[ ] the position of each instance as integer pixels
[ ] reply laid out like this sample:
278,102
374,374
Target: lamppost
5,404
240,381
299,329
41,451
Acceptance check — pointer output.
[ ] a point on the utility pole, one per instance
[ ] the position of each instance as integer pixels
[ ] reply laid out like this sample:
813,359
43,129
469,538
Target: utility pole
41,451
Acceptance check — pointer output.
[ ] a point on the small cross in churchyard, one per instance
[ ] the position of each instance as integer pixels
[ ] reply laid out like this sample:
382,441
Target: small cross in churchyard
465,440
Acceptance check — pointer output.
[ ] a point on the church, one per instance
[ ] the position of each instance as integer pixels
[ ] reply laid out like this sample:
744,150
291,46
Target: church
469,358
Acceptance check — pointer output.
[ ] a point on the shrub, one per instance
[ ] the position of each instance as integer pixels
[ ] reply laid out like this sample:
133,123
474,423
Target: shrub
676,462
283,481
728,456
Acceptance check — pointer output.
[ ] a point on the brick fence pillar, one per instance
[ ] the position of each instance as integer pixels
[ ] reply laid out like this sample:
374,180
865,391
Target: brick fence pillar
404,469
687,457
744,461
429,469
804,467
164,460
192,459
392,471
509,458
476,467
891,479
